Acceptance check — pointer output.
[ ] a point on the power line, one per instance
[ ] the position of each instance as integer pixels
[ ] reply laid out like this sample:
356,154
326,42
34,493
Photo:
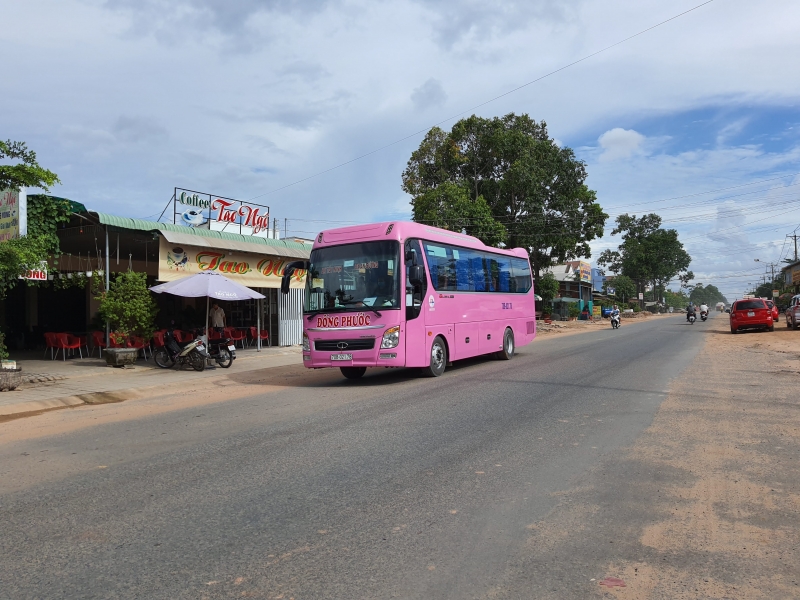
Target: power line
516,89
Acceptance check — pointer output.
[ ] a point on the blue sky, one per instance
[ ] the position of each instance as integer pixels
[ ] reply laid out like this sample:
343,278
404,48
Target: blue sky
126,99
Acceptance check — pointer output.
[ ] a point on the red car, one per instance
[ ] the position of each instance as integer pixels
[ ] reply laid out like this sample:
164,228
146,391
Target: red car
752,313
771,305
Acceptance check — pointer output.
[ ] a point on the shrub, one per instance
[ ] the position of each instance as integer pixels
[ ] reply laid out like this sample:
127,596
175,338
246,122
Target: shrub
128,307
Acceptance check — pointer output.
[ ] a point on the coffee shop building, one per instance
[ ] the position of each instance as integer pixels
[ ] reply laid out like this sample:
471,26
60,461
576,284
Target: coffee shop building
95,243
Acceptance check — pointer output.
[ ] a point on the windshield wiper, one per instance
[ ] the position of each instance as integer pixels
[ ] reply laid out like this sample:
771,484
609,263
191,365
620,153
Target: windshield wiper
364,306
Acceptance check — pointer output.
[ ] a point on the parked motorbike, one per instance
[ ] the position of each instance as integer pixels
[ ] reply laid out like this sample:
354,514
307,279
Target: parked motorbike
172,353
703,315
615,321
223,351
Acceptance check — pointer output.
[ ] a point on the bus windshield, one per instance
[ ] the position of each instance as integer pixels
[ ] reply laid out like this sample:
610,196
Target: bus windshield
354,276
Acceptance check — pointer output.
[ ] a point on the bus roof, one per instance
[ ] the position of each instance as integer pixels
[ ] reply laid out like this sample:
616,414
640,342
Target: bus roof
401,231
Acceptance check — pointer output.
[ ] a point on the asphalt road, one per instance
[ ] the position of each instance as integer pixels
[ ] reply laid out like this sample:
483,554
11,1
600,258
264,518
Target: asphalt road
395,486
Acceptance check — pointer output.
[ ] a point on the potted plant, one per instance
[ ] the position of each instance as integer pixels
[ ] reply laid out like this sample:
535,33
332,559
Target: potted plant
130,311
10,374
573,311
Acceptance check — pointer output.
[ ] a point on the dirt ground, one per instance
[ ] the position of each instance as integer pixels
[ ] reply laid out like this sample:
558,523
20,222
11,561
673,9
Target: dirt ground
706,504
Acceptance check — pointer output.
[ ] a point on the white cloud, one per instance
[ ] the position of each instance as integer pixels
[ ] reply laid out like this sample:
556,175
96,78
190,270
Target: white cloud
620,143
430,94
245,97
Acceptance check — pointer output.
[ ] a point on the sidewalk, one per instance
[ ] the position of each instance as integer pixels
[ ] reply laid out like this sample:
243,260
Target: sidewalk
90,381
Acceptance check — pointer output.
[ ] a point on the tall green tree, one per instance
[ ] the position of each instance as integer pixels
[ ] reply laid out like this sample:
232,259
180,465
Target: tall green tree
623,286
709,294
648,254
44,214
534,190
26,172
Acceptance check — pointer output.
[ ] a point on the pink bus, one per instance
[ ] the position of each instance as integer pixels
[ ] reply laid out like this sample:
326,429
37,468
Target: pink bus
409,295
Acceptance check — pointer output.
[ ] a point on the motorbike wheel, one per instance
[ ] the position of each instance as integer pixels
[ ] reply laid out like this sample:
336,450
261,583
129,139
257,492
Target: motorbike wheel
224,359
162,359
197,361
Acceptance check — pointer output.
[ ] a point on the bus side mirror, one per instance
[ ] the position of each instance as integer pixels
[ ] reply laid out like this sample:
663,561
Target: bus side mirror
416,275
288,271
411,257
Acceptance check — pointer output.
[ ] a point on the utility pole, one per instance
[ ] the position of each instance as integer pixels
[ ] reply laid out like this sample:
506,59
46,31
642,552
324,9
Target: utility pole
794,237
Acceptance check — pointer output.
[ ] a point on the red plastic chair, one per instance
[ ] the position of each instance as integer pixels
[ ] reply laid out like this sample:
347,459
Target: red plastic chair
158,339
64,342
213,334
139,343
50,343
264,336
235,335
99,342
183,337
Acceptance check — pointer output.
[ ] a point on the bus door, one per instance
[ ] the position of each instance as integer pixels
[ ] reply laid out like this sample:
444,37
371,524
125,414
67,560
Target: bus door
416,344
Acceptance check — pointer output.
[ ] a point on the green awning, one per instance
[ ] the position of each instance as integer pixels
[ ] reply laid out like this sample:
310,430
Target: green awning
256,243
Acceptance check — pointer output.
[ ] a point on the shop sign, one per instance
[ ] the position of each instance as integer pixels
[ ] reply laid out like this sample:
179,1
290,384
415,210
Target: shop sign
585,270
39,274
208,211
596,310
12,207
248,269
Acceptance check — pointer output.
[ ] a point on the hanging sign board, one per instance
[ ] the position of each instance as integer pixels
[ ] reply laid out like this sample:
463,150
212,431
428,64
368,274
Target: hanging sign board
207,211
39,274
13,208
585,270
251,270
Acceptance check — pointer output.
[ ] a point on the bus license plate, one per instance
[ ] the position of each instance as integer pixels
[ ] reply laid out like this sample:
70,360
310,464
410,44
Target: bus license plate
341,357
231,348
751,314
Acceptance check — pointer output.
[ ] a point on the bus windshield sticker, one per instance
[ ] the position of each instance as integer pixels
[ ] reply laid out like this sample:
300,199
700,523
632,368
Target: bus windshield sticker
436,251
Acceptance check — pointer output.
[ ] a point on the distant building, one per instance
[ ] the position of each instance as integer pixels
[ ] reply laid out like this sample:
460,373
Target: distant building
575,283
791,276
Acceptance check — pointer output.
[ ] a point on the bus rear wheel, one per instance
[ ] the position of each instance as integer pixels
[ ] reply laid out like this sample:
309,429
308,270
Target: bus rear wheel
353,372
438,358
507,353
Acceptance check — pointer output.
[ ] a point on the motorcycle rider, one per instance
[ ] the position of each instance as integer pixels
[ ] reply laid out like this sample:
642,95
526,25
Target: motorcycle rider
690,310
704,309
615,313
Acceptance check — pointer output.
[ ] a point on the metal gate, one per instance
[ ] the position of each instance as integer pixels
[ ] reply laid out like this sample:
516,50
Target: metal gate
290,317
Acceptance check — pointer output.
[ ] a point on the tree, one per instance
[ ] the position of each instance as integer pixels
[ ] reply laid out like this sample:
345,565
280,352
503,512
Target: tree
648,254
709,295
623,286
27,173
44,214
534,190
547,288
675,299
128,306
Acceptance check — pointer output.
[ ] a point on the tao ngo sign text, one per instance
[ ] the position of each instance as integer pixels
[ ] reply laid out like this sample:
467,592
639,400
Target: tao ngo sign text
207,211
249,270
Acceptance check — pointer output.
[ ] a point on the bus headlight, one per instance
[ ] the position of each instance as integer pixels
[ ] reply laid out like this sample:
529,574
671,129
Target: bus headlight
391,338
306,346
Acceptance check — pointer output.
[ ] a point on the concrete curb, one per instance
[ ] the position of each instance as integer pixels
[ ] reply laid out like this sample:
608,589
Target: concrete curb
33,407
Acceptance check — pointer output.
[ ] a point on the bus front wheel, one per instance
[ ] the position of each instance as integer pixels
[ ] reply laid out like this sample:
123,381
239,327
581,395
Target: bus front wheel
507,353
438,358
353,372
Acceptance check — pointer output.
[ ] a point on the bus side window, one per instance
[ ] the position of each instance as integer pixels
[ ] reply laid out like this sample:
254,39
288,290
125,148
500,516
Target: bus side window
414,293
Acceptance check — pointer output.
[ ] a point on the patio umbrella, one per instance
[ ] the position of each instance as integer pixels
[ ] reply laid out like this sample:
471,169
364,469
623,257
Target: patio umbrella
210,285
